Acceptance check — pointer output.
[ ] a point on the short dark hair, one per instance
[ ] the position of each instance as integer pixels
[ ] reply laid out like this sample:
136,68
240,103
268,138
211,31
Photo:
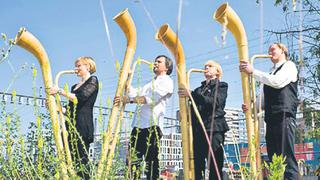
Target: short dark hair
169,63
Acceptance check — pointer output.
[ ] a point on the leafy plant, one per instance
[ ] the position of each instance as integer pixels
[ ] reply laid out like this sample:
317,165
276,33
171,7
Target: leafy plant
276,168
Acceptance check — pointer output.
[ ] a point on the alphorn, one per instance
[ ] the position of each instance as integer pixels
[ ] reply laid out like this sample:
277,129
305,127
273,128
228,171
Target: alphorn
124,20
228,17
171,41
256,119
30,43
197,114
118,125
63,123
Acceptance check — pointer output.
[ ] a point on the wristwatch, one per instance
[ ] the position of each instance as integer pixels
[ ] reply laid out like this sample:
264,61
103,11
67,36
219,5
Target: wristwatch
131,100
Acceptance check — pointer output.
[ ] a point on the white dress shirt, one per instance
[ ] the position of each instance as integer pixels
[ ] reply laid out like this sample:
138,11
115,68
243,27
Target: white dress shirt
156,93
287,74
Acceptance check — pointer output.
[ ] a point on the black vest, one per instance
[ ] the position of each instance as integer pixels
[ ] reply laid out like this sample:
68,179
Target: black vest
284,100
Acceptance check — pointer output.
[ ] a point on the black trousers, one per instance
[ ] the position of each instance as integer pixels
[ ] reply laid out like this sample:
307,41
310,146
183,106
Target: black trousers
201,149
80,157
145,142
280,140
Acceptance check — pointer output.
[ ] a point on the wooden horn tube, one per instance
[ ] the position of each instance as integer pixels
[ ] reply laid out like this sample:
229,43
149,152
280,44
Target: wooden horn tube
63,123
256,120
126,23
227,16
169,38
118,124
30,43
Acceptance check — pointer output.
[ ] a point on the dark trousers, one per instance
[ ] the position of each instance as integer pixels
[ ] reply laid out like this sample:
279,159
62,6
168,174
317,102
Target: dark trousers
80,157
145,142
280,140
201,149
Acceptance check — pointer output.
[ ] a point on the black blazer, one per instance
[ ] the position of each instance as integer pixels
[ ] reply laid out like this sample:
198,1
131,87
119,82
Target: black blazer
204,97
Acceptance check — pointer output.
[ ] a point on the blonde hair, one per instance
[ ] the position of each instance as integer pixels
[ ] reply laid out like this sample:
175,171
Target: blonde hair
283,48
217,65
89,62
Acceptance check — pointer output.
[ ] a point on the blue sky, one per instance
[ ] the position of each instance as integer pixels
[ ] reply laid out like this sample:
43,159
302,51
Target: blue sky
73,28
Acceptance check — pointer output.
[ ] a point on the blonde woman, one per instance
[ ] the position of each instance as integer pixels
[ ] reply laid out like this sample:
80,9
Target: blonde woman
85,94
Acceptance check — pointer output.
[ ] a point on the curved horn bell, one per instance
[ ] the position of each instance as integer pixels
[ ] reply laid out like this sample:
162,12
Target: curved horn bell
169,38
30,43
126,23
